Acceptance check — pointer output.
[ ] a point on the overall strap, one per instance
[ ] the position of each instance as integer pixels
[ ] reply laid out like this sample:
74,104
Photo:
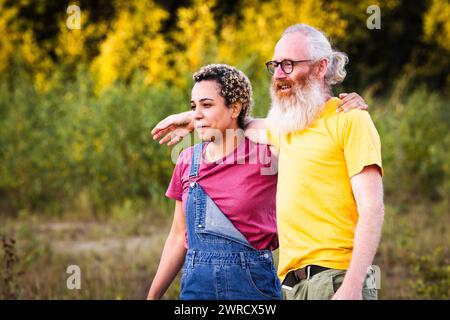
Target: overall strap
195,160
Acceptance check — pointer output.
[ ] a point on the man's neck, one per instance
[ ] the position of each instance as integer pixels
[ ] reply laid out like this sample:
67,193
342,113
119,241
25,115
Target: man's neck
326,91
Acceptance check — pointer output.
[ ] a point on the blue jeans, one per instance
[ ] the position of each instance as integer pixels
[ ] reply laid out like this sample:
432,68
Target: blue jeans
220,262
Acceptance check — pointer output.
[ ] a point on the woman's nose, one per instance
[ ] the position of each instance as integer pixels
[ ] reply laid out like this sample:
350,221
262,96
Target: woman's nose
197,113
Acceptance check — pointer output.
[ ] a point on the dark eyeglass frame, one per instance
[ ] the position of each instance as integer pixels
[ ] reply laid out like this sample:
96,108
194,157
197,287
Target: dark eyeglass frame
275,65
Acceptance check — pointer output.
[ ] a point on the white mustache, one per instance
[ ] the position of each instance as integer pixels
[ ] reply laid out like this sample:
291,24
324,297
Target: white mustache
298,111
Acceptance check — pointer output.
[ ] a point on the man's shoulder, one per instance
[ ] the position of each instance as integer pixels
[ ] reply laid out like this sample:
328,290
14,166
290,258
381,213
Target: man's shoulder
358,120
340,124
357,114
353,116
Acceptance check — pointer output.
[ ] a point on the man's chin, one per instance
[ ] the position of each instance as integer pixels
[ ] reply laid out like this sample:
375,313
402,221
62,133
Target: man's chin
284,94
295,111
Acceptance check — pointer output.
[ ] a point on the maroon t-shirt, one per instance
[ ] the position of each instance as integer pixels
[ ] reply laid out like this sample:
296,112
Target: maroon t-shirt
243,185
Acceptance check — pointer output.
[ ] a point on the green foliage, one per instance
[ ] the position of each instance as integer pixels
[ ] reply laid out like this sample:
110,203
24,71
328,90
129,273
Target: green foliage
54,145
415,143
433,275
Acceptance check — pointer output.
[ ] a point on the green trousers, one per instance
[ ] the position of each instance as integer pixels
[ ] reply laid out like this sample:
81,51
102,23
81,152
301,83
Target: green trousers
323,286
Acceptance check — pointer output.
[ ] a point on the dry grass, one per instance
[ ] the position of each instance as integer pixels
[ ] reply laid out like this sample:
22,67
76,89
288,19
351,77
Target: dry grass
410,234
119,256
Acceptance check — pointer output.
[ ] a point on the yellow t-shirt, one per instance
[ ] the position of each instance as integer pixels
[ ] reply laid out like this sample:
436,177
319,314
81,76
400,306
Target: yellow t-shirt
316,210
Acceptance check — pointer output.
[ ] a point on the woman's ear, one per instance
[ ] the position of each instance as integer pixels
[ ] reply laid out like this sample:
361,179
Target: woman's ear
236,109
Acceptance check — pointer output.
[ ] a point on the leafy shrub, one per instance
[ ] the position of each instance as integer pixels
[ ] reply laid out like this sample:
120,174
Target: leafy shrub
433,275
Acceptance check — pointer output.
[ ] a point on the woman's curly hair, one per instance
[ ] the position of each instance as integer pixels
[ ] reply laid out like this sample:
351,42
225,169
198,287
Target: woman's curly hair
234,86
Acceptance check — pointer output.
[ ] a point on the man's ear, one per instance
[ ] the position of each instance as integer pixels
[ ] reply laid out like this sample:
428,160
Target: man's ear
321,68
236,109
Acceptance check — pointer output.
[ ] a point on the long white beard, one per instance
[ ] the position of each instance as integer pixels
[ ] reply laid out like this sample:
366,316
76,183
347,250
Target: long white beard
298,111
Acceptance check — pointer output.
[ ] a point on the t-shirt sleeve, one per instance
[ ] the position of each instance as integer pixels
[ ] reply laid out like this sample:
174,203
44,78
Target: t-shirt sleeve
175,189
361,142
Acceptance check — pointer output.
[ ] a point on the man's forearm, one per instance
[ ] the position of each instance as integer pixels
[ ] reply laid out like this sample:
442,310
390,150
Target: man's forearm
367,238
255,130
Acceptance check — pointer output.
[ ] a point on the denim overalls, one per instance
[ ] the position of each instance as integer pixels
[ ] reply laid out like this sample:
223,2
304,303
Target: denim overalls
220,263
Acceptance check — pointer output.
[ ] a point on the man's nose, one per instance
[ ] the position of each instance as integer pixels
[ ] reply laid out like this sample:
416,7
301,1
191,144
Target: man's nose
279,73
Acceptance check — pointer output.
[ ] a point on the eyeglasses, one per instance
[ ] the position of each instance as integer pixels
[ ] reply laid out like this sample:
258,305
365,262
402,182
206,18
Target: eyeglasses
286,65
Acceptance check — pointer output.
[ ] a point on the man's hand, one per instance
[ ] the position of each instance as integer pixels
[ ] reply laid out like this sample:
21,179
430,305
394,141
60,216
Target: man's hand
174,128
348,293
351,101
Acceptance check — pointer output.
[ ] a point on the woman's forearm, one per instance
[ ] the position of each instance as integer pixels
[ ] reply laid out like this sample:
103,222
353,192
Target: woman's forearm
172,260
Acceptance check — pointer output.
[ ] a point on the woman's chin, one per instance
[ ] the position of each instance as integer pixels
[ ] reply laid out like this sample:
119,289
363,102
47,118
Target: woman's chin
208,134
203,136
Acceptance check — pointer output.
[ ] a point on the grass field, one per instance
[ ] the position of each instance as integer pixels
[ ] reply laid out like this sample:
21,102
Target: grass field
118,256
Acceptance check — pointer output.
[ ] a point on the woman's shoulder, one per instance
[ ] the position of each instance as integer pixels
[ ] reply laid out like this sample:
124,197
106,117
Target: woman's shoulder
255,146
185,156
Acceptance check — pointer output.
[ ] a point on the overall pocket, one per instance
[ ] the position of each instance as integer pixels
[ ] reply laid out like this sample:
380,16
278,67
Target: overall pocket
264,280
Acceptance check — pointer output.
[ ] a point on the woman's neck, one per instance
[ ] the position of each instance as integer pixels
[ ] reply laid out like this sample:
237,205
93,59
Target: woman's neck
219,148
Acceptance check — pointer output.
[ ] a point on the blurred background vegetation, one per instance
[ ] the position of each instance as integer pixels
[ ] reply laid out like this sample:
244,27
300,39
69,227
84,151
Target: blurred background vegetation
81,181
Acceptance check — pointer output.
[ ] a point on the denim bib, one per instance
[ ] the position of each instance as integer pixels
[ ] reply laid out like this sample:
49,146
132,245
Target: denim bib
220,263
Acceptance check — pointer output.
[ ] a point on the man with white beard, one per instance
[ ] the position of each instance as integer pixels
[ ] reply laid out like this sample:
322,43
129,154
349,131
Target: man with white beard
329,195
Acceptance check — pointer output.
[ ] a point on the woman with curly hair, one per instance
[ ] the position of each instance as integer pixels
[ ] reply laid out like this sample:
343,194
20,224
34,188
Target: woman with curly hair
224,226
